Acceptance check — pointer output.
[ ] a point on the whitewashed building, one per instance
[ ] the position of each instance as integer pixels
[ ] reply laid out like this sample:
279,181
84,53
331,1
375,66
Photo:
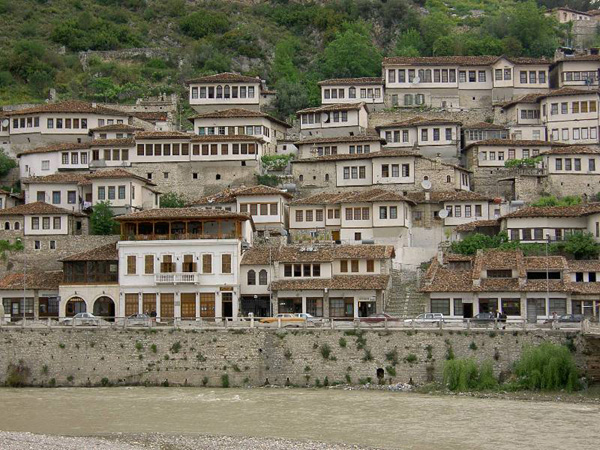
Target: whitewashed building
332,120
339,145
368,90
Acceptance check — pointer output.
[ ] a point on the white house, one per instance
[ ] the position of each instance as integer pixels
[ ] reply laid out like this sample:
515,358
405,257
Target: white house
42,219
353,90
115,131
339,145
182,263
331,120
577,71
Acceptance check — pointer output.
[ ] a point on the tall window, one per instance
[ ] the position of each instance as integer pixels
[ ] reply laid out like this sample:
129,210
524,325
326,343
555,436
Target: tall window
148,264
251,278
131,265
262,277
226,263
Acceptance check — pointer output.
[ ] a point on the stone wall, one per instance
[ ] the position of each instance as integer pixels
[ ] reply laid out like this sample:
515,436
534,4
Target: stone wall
255,357
400,114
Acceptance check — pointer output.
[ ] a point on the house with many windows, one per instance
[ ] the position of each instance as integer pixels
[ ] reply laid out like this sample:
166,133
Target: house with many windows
482,131
42,219
369,90
332,281
334,120
572,170
115,131
32,295
182,263
576,71
339,145
522,287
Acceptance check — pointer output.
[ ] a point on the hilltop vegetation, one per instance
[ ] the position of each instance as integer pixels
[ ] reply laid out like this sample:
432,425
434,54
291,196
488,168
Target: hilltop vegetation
290,44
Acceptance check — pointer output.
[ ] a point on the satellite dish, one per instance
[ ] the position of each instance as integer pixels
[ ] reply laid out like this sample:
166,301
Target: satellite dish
416,80
5,123
426,184
443,213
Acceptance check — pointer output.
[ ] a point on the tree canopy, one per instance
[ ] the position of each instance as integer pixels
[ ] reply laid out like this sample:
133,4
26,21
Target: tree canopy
102,221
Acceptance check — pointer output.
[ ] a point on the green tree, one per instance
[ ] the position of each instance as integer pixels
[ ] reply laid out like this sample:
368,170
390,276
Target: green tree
409,43
582,246
351,54
477,241
433,27
6,163
203,23
172,200
102,221
550,200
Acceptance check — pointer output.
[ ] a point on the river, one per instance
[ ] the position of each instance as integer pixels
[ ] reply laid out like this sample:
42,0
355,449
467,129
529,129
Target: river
370,418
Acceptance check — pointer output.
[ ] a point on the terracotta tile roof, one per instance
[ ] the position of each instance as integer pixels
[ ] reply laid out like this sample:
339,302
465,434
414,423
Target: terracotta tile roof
59,178
369,196
346,282
579,58
323,198
531,98
572,150
162,135
332,107
441,60
484,126
447,196
127,142
150,116
33,280
448,280
568,91
37,208
117,127
69,106
543,262
589,265
342,139
514,143
555,211
499,259
236,113
56,148
472,226
261,255
226,138
225,77
351,81
419,121
457,257
108,252
229,195
583,288
116,173
182,213
261,190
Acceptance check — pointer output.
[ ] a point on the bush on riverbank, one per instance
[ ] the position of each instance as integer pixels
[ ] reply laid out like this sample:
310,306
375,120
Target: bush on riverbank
547,367
466,375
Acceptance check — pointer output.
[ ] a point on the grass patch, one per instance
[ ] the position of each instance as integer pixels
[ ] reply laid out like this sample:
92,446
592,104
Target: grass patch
225,380
391,370
462,375
547,367
411,358
153,348
176,347
17,375
343,342
367,356
325,351
392,357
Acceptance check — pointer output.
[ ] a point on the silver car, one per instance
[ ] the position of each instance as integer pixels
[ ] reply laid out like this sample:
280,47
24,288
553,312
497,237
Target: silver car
427,318
143,320
85,319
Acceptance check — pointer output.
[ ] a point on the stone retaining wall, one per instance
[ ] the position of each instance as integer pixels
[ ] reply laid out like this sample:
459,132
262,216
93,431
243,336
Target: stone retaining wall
65,357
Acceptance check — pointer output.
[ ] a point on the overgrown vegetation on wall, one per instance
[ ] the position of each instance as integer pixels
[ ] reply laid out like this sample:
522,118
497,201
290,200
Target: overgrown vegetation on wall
290,44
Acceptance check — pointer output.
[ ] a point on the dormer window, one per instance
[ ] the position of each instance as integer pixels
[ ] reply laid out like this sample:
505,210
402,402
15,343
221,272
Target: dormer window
499,273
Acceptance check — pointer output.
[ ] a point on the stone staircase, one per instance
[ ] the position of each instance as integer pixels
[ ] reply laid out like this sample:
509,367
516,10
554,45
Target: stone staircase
592,358
405,300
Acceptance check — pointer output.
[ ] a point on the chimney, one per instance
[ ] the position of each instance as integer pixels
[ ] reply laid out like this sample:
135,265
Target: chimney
427,196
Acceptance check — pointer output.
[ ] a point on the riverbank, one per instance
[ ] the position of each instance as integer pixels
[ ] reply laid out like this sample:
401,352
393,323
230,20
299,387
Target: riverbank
124,441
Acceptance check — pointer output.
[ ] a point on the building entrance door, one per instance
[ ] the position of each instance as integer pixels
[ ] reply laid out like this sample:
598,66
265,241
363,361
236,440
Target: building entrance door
467,310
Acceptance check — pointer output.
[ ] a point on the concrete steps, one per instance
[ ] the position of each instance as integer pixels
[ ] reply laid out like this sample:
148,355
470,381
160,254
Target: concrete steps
405,300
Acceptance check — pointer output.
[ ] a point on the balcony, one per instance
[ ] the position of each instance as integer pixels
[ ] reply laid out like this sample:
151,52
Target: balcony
176,278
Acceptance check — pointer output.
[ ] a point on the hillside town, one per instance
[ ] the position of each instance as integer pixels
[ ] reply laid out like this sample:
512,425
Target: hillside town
355,208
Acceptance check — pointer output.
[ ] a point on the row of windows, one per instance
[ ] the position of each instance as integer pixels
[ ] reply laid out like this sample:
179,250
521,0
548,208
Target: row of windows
102,122
327,150
16,226
457,211
223,92
340,93
530,114
353,265
46,221
537,234
108,154
37,245
112,191
249,130
117,135
75,158
355,172
578,133
525,153
425,75
409,99
388,212
358,213
197,149
308,215
576,107
57,197
188,265
334,116
395,172
532,77
471,76
262,278
394,135
579,76
265,209
301,270
480,135
574,164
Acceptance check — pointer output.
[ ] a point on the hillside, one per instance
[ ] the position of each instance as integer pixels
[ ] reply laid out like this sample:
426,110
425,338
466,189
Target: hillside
291,44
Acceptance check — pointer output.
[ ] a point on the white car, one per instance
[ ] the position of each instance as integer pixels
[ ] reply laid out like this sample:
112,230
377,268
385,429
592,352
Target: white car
82,319
309,318
427,318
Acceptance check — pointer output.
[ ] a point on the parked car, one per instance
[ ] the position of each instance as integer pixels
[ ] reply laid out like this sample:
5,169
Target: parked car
86,319
426,318
485,317
567,318
143,320
378,318
285,318
309,318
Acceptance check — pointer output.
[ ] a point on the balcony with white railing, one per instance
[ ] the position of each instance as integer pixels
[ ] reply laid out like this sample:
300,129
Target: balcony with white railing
176,278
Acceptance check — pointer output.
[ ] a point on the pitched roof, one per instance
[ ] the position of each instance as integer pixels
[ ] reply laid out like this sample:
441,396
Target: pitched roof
369,196
229,195
150,116
566,91
447,196
116,173
572,150
332,107
577,265
162,135
419,121
262,255
57,148
69,106
108,252
31,280
460,60
226,138
484,126
531,98
472,226
346,282
555,211
545,262
37,208
182,213
225,77
350,81
124,142
341,139
579,58
84,178
117,127
237,113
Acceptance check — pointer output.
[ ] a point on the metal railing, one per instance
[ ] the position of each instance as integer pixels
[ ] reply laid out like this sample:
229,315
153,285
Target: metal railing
275,323
176,278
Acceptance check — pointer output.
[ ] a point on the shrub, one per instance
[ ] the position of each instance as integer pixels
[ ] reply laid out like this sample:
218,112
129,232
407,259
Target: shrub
139,346
203,23
268,180
392,357
102,220
411,358
473,346
465,375
325,351
391,371
225,380
104,382
176,347
367,356
342,342
547,367
172,200
17,374
153,348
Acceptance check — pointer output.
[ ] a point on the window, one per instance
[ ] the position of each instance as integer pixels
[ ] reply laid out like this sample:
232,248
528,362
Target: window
440,305
206,263
262,277
131,265
448,134
498,74
567,163
71,197
481,76
370,265
564,108
52,245
251,278
299,215
121,192
558,164
457,211
111,193
523,77
35,223
383,212
393,212
101,193
148,264
56,223
344,266
225,263
56,197
354,265
577,164
592,165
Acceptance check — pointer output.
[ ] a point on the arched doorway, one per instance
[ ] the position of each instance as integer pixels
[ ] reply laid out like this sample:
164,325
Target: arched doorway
104,307
75,305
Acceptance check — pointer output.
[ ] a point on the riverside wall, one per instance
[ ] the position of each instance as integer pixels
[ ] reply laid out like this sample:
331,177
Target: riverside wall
89,357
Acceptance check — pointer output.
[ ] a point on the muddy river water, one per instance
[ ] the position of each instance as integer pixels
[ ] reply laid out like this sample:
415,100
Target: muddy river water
369,418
